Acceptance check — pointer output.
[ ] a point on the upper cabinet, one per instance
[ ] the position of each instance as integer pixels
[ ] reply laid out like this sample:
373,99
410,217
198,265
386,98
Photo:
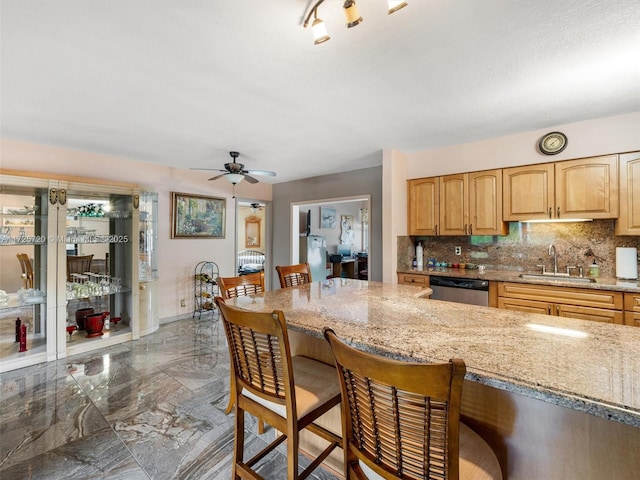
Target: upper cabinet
423,206
585,188
462,204
628,222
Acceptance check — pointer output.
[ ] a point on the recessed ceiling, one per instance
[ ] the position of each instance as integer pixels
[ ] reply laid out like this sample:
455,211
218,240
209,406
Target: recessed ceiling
181,83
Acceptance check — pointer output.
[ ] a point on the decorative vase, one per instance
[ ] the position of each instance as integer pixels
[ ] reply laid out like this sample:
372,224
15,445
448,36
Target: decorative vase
94,323
80,314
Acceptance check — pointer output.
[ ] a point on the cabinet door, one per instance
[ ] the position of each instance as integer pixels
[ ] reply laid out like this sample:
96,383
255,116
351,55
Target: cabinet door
485,203
423,206
528,192
587,188
593,314
529,306
407,279
632,319
454,210
628,222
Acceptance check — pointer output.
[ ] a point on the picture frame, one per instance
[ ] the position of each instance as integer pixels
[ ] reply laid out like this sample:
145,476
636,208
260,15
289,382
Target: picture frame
327,217
252,232
197,216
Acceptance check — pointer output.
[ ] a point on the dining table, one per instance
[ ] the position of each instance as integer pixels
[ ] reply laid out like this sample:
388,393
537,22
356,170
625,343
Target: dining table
556,398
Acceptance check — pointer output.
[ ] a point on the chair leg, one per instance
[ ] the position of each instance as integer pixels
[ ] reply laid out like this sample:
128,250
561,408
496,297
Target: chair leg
238,447
260,426
232,393
292,455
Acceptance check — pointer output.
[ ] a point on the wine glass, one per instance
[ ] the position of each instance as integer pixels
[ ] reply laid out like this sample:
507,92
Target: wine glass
70,330
114,321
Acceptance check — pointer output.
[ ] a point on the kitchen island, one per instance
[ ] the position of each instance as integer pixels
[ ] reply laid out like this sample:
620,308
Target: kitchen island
557,398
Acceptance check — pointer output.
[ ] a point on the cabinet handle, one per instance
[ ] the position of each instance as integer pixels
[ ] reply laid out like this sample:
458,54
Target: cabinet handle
465,228
558,214
548,309
471,229
549,212
436,229
558,310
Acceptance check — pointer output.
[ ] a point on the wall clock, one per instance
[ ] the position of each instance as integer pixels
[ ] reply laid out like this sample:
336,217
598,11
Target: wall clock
552,143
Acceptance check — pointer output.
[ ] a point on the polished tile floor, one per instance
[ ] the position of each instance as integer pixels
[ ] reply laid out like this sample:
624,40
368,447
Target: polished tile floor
153,408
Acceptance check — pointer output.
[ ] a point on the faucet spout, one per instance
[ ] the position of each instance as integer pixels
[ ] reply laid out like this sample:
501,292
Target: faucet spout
552,252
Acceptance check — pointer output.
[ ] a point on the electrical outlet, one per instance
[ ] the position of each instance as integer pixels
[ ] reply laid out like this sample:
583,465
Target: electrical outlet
183,302
458,250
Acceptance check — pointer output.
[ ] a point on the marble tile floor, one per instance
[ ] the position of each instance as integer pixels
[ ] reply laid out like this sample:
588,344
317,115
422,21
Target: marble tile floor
148,409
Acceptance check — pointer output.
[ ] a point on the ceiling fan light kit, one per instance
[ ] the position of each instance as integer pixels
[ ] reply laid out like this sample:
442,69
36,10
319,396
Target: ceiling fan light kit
235,172
320,34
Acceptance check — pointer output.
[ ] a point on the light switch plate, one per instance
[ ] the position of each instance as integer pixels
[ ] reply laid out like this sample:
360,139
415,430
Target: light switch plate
458,250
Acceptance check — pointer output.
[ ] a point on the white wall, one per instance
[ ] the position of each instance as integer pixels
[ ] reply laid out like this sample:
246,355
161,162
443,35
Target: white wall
585,139
176,258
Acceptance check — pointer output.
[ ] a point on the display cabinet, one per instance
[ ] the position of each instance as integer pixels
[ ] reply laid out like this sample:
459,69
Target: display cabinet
148,262
28,270
66,248
205,288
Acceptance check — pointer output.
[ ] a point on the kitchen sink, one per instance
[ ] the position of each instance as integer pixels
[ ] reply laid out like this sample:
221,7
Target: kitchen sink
556,278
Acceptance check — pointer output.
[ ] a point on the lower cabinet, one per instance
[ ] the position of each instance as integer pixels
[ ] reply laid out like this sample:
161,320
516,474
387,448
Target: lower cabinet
409,279
632,309
582,303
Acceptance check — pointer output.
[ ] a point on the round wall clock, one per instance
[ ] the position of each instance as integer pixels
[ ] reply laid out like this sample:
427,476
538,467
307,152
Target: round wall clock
552,143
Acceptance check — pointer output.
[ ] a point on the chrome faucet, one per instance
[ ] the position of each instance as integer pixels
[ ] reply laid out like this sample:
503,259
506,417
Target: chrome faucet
552,251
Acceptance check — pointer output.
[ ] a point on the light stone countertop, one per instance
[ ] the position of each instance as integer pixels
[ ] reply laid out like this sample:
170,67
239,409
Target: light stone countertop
612,284
586,366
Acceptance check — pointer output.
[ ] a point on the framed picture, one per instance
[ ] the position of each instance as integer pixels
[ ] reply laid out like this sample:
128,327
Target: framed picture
327,217
252,232
347,234
197,216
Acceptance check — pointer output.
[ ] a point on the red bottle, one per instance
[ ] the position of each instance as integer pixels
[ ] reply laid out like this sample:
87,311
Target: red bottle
18,323
23,338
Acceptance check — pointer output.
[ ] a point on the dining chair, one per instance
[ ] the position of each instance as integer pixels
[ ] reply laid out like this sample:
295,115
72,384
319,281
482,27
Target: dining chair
78,264
27,270
231,287
292,275
401,420
289,392
249,284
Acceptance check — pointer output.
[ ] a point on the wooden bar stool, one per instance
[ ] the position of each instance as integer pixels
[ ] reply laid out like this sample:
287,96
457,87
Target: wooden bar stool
231,287
401,420
290,393
292,275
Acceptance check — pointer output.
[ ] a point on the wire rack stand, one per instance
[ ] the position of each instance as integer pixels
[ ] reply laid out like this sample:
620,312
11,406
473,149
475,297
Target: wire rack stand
205,288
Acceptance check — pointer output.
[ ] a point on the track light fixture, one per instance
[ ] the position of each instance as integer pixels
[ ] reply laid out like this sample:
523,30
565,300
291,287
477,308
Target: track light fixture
352,15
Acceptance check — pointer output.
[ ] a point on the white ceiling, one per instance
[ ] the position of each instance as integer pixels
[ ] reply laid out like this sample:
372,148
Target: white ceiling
183,82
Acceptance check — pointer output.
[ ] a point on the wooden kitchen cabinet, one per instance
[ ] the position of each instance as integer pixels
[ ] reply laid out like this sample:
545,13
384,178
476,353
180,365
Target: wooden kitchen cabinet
628,222
423,206
460,204
582,303
584,188
408,279
632,309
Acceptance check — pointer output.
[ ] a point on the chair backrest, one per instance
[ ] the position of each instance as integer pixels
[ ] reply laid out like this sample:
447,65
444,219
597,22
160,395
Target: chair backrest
78,264
401,419
292,275
259,351
243,285
27,270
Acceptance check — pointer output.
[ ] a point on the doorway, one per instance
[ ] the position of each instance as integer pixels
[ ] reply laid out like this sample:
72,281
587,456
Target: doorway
342,223
253,238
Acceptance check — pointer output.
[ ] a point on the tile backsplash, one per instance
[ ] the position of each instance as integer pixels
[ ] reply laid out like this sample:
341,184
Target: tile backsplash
527,245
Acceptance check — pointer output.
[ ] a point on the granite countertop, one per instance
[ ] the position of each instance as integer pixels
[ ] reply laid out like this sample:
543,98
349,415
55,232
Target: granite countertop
612,284
586,366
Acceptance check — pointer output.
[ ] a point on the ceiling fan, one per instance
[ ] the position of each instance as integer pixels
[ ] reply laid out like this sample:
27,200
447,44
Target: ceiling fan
234,172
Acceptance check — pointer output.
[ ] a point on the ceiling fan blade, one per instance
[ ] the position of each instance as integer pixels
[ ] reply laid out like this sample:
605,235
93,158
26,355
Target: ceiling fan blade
261,172
217,176
211,169
250,179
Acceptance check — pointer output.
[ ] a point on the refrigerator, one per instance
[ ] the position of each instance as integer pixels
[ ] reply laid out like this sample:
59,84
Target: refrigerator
313,250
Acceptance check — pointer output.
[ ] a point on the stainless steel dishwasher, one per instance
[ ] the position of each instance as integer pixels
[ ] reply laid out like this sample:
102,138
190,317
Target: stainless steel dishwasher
460,290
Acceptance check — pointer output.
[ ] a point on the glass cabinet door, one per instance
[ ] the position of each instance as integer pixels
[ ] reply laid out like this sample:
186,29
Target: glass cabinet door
100,295
148,262
27,266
